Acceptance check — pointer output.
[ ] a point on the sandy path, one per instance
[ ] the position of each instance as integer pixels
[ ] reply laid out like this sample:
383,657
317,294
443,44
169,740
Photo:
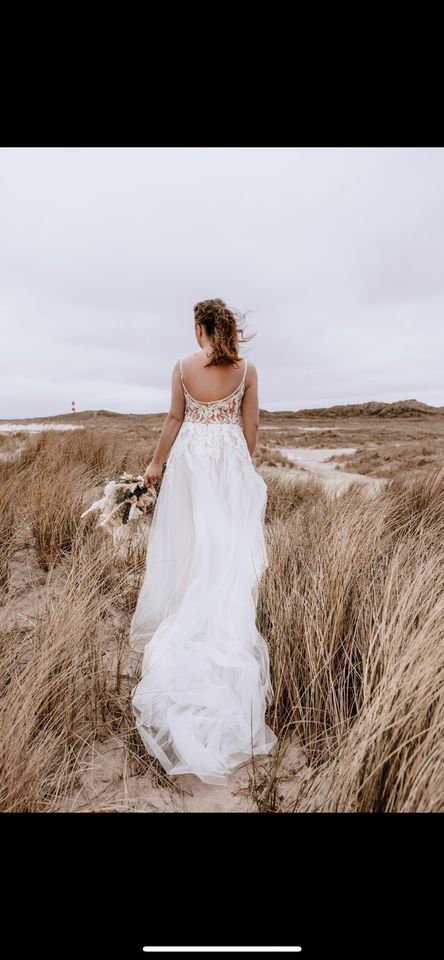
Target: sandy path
302,429
6,427
312,463
107,786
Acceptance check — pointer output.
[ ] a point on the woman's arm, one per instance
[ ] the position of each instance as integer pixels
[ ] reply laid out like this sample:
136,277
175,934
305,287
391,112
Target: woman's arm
170,429
250,408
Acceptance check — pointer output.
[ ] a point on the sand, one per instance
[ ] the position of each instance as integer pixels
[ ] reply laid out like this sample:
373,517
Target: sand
311,462
7,427
108,787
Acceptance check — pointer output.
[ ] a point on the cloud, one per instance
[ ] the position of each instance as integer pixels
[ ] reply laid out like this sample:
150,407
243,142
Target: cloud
104,251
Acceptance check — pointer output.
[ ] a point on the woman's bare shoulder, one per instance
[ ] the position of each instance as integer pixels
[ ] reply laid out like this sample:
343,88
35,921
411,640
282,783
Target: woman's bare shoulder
251,375
187,359
190,357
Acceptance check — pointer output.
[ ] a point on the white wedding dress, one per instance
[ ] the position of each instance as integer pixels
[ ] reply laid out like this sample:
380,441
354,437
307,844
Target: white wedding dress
200,704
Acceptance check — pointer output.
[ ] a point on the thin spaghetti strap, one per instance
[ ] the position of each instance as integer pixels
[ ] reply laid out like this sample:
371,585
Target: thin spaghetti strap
245,370
180,367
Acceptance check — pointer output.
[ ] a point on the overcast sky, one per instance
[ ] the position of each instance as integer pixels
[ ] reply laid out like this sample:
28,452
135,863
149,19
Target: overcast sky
337,253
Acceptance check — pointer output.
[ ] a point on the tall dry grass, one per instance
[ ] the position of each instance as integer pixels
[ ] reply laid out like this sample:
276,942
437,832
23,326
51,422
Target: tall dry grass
6,547
66,673
351,606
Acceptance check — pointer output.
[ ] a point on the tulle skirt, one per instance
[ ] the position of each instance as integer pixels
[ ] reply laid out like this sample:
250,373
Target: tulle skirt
200,704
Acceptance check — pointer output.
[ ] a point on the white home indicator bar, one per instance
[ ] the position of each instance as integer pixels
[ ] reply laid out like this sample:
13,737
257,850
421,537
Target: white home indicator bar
222,949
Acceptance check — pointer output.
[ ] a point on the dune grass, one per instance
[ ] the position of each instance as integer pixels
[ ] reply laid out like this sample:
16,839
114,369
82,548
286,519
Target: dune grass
351,605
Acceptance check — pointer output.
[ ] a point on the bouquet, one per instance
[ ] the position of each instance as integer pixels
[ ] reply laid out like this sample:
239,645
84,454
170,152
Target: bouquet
125,501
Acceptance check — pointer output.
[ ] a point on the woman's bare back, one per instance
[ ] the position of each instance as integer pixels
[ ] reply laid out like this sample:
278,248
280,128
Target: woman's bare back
215,382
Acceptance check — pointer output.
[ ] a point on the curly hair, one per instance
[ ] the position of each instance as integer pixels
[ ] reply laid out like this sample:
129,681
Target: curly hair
225,326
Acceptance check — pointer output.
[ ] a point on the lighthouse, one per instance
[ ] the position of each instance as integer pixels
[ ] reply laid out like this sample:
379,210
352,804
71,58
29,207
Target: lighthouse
73,406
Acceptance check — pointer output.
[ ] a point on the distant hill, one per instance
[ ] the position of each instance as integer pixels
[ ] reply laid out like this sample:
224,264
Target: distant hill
374,408
79,417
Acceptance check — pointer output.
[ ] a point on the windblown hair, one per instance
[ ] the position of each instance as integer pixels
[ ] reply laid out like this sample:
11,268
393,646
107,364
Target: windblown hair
225,326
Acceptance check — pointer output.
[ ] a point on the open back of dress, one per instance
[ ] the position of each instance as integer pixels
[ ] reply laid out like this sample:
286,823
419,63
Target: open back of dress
200,704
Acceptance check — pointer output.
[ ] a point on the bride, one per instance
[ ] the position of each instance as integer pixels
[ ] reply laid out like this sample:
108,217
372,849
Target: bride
200,704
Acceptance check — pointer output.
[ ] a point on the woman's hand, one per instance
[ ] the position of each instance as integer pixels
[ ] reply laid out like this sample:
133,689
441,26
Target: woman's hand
152,474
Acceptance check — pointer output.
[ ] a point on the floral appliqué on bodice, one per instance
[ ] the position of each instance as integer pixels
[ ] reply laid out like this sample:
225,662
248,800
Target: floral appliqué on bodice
226,410
224,423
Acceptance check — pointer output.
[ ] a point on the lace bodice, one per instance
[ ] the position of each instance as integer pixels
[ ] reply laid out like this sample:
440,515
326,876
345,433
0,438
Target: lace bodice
226,410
